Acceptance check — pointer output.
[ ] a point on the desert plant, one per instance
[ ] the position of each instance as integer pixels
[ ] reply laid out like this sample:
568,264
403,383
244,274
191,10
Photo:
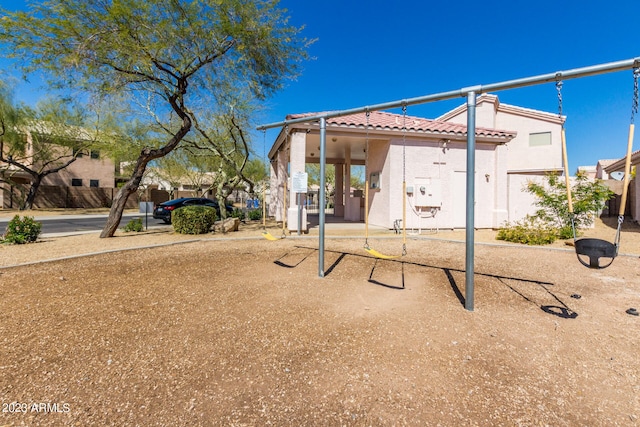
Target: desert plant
135,225
255,214
529,231
193,219
589,197
22,230
238,213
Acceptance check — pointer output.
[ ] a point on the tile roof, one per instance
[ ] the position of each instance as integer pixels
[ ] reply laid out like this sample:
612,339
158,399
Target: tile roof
506,108
619,165
381,120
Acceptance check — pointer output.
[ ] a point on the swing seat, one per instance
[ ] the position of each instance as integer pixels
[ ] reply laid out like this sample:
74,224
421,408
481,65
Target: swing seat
595,249
269,236
377,254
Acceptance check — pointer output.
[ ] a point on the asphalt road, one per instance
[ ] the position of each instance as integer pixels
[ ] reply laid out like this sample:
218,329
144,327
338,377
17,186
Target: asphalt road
81,223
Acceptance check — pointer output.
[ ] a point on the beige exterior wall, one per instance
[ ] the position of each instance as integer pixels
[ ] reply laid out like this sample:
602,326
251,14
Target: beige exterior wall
521,156
86,169
442,171
53,193
521,160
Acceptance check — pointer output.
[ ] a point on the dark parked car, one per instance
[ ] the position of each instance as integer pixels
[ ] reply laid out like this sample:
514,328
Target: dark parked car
163,210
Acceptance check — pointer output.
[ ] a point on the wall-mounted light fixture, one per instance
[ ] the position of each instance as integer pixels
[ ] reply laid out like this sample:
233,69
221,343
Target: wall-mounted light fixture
444,145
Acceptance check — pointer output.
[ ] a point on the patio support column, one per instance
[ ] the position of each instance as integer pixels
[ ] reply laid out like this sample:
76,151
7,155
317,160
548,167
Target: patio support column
338,199
471,189
274,187
297,156
347,184
283,162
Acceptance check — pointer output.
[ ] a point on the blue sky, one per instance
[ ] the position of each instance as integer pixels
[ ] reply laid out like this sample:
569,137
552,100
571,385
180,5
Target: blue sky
374,51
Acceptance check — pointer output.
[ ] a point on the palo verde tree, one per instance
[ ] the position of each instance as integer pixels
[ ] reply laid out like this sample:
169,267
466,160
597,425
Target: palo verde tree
36,143
221,146
215,157
166,58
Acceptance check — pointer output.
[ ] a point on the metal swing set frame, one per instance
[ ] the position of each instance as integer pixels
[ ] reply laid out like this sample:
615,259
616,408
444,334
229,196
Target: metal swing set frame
470,93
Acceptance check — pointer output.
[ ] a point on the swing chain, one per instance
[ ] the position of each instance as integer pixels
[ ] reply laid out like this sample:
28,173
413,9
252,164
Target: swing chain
366,166
634,107
366,145
284,189
559,89
266,173
404,141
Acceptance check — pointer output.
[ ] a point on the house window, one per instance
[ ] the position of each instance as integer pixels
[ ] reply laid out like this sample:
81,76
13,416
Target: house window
77,152
76,182
94,183
539,139
95,154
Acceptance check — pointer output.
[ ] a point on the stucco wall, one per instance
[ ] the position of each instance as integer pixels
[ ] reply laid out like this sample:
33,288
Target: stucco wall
523,157
521,203
87,169
379,199
430,163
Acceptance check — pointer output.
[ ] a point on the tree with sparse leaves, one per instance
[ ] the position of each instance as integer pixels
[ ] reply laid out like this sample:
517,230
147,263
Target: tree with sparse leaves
169,60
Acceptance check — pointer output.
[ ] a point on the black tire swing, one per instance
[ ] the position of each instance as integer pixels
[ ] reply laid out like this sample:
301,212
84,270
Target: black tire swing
591,252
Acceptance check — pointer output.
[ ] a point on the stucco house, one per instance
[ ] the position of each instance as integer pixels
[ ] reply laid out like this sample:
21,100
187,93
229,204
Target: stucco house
87,182
513,145
634,185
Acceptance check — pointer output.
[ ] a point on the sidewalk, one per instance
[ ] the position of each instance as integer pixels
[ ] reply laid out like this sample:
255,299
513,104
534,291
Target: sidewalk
42,214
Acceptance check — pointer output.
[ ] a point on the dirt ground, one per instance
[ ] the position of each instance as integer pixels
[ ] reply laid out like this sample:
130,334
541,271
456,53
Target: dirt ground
237,330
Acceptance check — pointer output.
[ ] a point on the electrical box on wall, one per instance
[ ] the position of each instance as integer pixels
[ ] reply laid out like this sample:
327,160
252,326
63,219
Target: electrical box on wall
374,180
427,192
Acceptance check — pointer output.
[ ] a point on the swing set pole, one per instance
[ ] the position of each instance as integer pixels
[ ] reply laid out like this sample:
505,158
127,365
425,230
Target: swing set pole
471,190
322,200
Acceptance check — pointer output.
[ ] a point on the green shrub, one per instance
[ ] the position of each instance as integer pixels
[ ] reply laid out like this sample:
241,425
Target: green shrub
255,214
23,230
566,232
134,225
529,231
193,219
238,213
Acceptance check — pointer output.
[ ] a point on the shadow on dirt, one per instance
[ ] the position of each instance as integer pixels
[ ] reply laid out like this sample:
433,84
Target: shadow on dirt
293,259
